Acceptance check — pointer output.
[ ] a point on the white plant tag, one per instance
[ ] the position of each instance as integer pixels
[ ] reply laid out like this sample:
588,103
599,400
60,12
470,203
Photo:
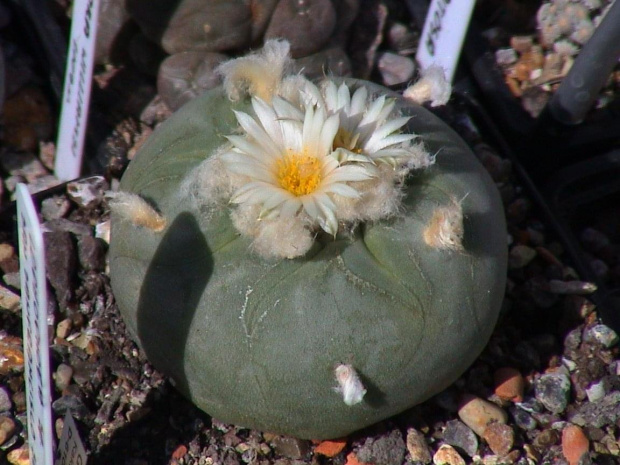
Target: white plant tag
76,92
443,34
71,449
36,339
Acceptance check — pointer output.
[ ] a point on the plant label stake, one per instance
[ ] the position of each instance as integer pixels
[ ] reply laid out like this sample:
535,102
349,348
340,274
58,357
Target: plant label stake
36,339
443,34
76,92
70,450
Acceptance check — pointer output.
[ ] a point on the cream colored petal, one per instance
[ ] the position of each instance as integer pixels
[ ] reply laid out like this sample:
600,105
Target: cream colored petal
290,207
269,120
394,139
310,206
342,189
349,173
255,131
358,101
328,132
373,111
388,128
344,97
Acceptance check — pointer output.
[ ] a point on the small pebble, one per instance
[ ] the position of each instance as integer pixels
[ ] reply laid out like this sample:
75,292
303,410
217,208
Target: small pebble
11,357
447,455
522,44
458,435
19,456
500,438
9,262
395,69
330,448
602,334
5,400
546,439
575,444
552,390
477,413
571,287
64,327
505,56
55,207
523,420
520,256
7,429
383,450
62,376
352,459
9,300
19,400
509,384
87,192
596,391
292,448
179,452
13,280
417,447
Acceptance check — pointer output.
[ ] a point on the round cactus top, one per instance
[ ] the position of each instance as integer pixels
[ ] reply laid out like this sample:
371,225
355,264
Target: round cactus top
307,160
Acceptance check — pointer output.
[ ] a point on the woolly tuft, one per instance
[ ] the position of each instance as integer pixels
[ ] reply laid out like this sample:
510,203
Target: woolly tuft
258,74
431,87
133,208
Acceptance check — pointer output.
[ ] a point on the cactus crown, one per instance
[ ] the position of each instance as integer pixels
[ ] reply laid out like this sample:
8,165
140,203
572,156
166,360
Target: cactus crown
308,159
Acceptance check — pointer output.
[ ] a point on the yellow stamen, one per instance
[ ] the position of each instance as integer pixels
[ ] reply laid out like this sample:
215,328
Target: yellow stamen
299,174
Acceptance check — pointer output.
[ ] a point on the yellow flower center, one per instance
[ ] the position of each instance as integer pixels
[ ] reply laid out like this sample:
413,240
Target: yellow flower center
299,174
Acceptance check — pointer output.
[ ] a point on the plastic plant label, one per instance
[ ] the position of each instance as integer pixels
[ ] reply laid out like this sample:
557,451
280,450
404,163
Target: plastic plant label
443,34
36,342
76,91
71,449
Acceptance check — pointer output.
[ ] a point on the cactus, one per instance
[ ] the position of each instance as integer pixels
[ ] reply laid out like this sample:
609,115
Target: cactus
369,321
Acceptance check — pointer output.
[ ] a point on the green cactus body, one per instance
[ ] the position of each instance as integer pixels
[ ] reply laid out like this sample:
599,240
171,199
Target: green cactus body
256,342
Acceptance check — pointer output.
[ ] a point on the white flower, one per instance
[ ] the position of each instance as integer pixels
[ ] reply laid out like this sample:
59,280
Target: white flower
287,164
367,126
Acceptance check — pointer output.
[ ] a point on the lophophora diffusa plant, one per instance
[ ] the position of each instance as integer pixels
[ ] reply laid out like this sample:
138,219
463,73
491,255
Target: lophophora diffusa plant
307,258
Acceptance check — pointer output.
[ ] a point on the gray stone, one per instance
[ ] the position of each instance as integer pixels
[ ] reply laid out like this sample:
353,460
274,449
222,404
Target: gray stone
290,447
384,450
552,390
55,207
216,25
395,69
523,419
307,25
186,75
61,260
417,447
88,192
5,400
73,404
458,435
91,253
597,390
598,414
602,334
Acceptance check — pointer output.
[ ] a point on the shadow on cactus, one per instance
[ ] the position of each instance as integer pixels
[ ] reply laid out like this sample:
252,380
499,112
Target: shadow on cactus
307,259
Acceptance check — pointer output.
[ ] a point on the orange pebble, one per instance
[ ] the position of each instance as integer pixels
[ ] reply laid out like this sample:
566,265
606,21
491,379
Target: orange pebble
509,384
179,452
330,448
574,444
353,460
